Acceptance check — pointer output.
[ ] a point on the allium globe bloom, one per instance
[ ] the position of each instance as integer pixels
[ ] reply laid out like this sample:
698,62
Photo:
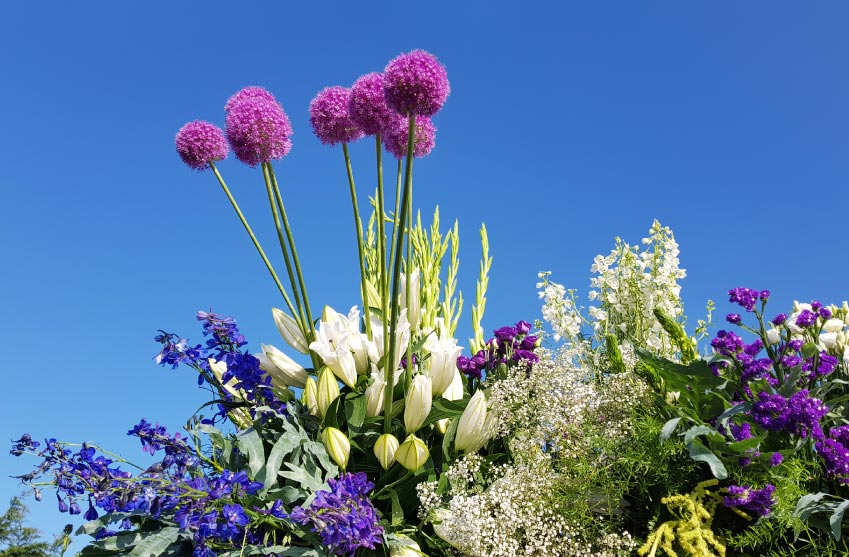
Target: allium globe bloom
200,143
395,138
258,130
330,119
367,106
415,83
251,92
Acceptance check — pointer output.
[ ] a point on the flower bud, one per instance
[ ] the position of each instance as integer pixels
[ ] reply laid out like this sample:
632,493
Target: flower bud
414,312
328,390
337,446
418,403
773,336
412,453
471,430
384,449
833,325
290,331
344,366
374,395
284,371
309,397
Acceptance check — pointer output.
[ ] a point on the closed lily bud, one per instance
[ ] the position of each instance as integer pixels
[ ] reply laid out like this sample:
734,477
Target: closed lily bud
418,403
284,371
405,547
344,367
290,331
374,395
471,429
773,336
412,453
328,390
384,449
309,397
337,446
453,392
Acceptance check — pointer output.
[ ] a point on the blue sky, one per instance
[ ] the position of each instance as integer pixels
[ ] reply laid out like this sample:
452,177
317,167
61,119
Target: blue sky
568,124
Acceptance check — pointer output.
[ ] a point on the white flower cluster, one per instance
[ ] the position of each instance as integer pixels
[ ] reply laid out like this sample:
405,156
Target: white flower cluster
629,284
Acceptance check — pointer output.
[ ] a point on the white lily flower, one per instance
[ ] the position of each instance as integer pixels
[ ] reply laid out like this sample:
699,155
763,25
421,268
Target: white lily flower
290,331
374,395
284,371
472,430
453,392
402,338
443,357
344,367
417,403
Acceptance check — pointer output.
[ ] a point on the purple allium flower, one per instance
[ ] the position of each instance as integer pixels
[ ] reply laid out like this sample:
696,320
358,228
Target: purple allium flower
745,297
734,318
779,319
258,130
330,119
415,83
200,143
395,139
251,92
806,318
368,108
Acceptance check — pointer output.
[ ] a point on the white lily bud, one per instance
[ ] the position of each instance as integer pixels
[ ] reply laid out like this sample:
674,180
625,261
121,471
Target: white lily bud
412,453
453,392
374,395
471,431
290,331
418,403
384,450
337,446
284,371
328,390
309,397
773,336
443,357
344,367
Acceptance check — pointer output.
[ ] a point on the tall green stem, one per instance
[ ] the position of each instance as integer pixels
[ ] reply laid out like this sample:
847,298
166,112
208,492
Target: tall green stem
300,315
395,218
408,268
391,361
251,234
295,260
358,223
381,241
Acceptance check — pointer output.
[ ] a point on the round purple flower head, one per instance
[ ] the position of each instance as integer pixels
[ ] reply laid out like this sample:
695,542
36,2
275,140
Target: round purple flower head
395,139
330,119
415,83
258,130
200,143
252,92
368,108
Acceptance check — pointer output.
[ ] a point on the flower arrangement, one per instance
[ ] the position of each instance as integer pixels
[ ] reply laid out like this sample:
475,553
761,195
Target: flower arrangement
370,433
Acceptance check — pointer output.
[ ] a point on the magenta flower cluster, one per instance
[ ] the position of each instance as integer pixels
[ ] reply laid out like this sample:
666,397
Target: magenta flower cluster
201,143
330,118
257,127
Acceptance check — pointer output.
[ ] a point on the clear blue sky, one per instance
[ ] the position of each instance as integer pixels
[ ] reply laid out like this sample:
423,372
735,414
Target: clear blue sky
568,124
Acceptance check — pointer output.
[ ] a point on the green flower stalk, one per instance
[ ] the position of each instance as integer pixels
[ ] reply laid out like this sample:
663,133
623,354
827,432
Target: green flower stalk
477,343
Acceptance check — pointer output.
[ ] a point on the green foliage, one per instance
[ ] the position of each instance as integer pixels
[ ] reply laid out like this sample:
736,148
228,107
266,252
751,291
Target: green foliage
19,540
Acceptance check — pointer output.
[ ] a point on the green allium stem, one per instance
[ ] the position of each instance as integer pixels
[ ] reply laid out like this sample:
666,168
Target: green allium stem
358,224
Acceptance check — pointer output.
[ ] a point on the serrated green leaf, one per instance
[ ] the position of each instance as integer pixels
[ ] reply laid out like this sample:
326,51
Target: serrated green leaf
836,519
156,544
302,477
250,444
281,449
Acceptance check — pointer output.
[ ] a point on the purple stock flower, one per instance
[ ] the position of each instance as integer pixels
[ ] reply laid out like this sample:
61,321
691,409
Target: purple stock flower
258,129
367,106
745,297
734,318
776,459
825,313
395,138
806,318
727,343
415,83
779,319
764,295
799,415
201,143
330,119
836,456
757,501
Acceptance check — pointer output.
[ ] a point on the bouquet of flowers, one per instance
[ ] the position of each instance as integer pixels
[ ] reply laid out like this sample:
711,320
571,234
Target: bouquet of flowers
369,432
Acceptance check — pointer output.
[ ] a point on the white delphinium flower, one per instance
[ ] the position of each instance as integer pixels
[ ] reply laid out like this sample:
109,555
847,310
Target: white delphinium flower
559,308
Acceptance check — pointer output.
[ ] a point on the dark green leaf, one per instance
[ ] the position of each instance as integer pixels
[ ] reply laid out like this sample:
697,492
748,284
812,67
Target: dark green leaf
700,453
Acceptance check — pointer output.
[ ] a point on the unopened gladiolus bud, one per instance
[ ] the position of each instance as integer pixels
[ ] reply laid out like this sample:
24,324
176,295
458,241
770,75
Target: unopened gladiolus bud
309,397
290,331
412,453
337,446
328,390
471,428
417,403
374,395
284,371
384,450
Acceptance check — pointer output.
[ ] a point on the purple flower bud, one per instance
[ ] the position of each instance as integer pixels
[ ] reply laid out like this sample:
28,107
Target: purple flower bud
815,305
415,83
779,319
776,459
200,143
330,119
63,506
395,139
523,327
258,130
764,296
733,318
505,334
825,313
367,106
745,297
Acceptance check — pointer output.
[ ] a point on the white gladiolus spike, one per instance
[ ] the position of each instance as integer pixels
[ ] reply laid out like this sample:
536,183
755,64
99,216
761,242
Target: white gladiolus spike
471,430
284,371
328,390
418,403
290,331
